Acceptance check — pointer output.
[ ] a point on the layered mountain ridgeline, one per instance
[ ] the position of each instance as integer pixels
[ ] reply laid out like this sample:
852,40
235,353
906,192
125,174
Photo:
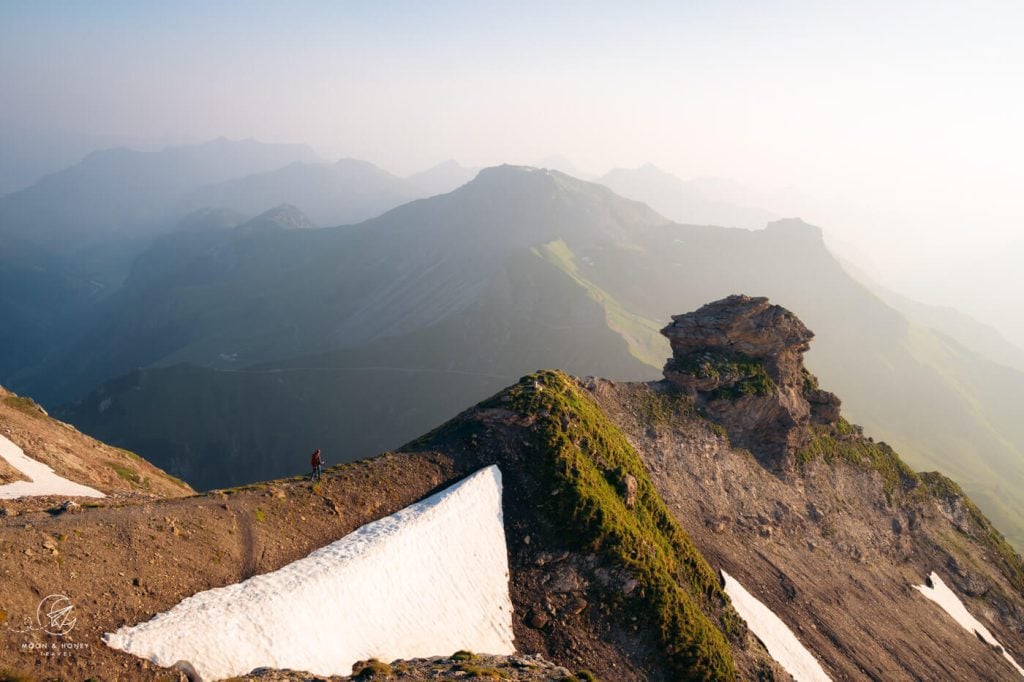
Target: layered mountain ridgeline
118,474
70,239
701,201
345,192
621,502
452,297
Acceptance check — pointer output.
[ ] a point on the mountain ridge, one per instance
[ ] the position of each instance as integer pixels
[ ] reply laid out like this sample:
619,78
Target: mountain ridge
621,502
458,285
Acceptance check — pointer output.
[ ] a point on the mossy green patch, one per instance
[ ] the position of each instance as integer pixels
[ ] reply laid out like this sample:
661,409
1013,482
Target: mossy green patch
25,405
479,672
663,407
841,442
374,670
1009,562
587,458
737,375
127,473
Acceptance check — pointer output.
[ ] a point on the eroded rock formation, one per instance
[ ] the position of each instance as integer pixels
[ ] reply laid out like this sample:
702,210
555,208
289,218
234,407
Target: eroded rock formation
742,359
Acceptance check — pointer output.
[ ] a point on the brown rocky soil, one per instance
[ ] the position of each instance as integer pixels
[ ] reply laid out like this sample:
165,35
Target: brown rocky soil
831,546
118,473
566,601
828,546
123,564
461,666
827,553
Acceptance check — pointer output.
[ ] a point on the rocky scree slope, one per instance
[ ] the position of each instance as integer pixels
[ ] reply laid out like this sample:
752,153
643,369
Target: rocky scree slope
120,474
827,527
738,461
460,665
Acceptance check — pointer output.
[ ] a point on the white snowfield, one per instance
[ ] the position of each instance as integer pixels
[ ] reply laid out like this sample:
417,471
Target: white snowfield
426,581
780,641
43,480
951,604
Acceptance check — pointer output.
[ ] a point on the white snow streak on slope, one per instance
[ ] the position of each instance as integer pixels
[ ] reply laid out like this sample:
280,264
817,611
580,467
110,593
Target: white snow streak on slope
428,580
44,480
951,604
780,641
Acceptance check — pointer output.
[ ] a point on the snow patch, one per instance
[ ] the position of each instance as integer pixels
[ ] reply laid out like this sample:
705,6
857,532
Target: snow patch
951,604
780,641
42,479
428,580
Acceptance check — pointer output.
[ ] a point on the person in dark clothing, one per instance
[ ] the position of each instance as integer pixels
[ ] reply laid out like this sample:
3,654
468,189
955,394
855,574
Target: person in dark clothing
316,461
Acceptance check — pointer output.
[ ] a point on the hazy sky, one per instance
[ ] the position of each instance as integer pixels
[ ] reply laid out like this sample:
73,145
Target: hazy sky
901,123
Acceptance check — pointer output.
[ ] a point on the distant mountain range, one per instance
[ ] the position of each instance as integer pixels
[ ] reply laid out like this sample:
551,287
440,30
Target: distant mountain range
349,191
700,201
70,240
252,345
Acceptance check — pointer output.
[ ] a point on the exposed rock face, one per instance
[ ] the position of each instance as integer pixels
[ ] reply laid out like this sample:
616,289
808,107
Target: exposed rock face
742,359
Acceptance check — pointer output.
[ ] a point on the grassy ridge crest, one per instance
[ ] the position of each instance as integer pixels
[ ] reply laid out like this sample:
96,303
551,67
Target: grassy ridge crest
590,461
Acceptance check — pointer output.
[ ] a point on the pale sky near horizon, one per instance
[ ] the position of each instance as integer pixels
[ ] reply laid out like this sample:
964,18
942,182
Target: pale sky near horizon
899,123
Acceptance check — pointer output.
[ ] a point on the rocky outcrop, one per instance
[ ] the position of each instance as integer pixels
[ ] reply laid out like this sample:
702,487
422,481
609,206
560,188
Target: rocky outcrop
741,358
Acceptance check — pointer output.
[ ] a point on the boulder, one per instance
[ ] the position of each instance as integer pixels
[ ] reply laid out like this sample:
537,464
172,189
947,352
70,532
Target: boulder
741,358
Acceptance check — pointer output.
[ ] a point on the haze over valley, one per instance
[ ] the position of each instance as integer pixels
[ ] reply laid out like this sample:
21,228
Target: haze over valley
684,343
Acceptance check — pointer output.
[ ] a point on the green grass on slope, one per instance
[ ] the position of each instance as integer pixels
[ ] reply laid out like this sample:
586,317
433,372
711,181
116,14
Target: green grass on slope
589,462
843,442
1008,560
26,405
641,334
901,483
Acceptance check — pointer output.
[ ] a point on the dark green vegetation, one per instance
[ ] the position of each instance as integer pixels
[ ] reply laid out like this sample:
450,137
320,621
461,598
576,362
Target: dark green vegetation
737,374
1008,560
126,473
373,670
480,672
23,404
586,676
259,345
844,442
665,407
585,461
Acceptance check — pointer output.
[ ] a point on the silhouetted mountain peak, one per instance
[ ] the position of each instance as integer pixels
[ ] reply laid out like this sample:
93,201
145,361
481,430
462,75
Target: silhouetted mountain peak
210,218
795,228
283,217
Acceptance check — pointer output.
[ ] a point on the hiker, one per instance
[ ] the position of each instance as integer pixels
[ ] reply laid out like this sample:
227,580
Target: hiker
316,461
